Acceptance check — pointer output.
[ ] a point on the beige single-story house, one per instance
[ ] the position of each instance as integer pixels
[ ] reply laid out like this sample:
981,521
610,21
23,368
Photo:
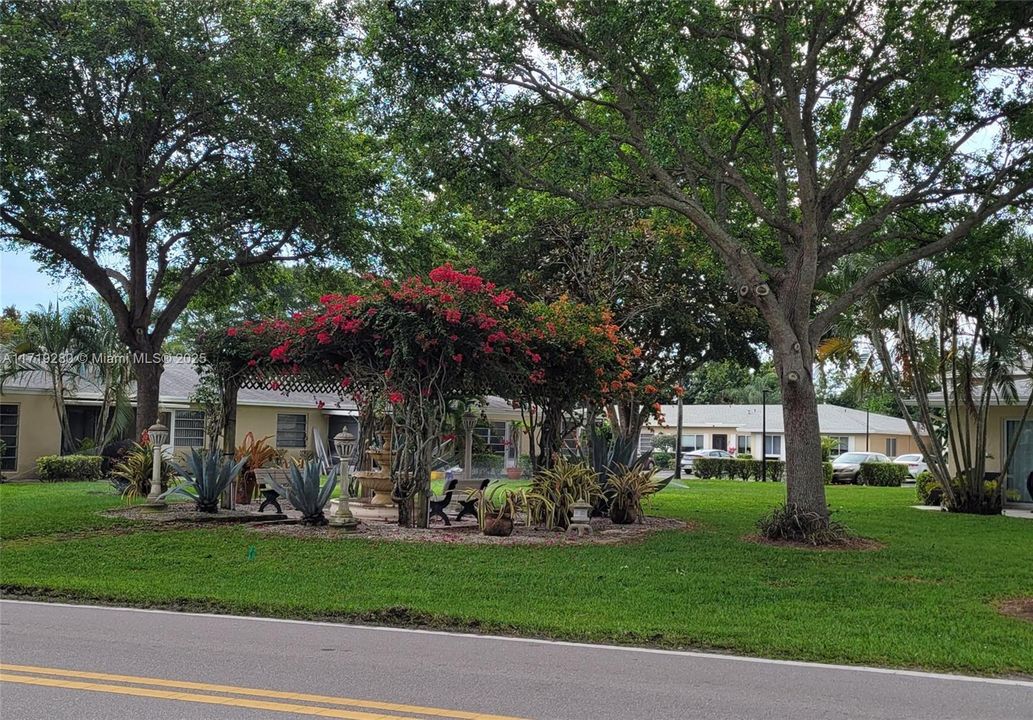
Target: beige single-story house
1004,424
741,429
30,428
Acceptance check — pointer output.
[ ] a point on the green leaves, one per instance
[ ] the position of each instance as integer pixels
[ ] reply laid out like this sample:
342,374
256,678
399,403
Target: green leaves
208,477
305,492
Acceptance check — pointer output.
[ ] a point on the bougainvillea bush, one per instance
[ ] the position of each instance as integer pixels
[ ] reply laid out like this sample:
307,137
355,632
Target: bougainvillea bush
582,359
414,346
418,347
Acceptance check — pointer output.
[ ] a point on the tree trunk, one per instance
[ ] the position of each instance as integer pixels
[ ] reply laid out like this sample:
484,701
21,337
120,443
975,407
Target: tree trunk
148,367
805,479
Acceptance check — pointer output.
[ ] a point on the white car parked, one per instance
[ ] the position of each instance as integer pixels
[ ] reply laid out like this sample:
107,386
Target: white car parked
687,459
916,464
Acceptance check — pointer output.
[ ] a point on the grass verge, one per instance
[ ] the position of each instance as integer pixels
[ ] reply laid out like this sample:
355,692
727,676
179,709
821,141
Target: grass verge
927,599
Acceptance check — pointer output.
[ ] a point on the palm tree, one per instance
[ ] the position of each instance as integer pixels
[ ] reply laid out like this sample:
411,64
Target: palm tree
51,341
110,369
960,327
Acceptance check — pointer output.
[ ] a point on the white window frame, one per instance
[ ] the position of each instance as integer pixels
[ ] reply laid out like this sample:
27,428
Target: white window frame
645,442
493,433
773,445
691,443
179,425
844,444
304,431
744,444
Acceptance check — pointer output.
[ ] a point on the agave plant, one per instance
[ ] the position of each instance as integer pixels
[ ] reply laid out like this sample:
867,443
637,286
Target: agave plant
208,476
305,492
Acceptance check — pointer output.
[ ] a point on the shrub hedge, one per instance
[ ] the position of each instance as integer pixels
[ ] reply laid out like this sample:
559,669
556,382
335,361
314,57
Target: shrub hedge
52,468
928,489
663,459
707,468
826,468
882,474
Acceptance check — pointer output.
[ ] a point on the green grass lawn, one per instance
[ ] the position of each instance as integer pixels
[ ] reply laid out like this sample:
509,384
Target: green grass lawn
925,600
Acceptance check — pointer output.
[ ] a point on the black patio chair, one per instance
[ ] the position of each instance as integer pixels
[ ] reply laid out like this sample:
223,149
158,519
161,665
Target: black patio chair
440,502
469,506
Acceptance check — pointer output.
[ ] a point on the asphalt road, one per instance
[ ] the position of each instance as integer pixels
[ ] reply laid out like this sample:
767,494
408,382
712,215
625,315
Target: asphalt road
87,663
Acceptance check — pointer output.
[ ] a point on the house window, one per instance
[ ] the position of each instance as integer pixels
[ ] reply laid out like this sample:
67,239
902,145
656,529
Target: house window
742,445
188,428
645,442
773,445
891,447
291,430
9,435
842,444
492,437
691,442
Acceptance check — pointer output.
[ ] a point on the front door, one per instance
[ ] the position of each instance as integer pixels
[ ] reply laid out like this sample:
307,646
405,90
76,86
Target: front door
1020,472
720,442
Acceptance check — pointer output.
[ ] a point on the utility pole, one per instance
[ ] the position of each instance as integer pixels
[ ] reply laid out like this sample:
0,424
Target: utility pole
677,447
763,435
867,426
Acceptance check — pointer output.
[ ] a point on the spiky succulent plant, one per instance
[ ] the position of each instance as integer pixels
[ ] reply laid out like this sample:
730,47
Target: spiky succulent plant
208,475
306,493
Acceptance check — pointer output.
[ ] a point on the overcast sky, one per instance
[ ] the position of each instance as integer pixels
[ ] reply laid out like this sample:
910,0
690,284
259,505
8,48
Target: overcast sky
25,286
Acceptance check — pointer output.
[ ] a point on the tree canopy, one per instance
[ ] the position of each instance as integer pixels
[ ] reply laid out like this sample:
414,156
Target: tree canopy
790,134
153,147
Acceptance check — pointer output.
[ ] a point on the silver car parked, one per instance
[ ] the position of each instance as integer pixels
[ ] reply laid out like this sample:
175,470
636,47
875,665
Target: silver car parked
916,464
847,466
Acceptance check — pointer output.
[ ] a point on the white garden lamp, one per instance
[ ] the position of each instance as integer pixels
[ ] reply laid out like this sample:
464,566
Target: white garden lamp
469,423
159,435
344,444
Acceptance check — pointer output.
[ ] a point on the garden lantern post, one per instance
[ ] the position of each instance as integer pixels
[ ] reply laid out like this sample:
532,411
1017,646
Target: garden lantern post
158,435
344,444
469,423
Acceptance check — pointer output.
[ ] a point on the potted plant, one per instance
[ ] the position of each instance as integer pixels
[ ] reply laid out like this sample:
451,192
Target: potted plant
257,453
496,512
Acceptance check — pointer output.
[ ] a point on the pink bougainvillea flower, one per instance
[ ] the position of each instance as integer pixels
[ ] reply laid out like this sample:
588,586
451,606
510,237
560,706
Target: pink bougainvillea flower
395,398
231,331
458,357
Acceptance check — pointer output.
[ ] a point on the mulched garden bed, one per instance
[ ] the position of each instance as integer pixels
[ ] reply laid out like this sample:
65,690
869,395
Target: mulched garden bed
467,533
852,543
181,514
1021,608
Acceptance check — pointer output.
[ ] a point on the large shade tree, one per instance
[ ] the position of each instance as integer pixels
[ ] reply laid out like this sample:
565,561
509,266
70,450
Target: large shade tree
791,134
150,147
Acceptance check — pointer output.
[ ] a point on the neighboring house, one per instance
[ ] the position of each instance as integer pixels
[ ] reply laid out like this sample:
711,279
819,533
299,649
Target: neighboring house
1004,420
29,424
740,429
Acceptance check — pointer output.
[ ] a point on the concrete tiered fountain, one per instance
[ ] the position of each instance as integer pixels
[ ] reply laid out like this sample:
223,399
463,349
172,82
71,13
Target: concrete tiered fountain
380,506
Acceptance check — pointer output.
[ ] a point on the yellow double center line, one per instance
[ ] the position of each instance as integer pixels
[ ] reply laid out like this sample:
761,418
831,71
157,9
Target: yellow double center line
164,689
